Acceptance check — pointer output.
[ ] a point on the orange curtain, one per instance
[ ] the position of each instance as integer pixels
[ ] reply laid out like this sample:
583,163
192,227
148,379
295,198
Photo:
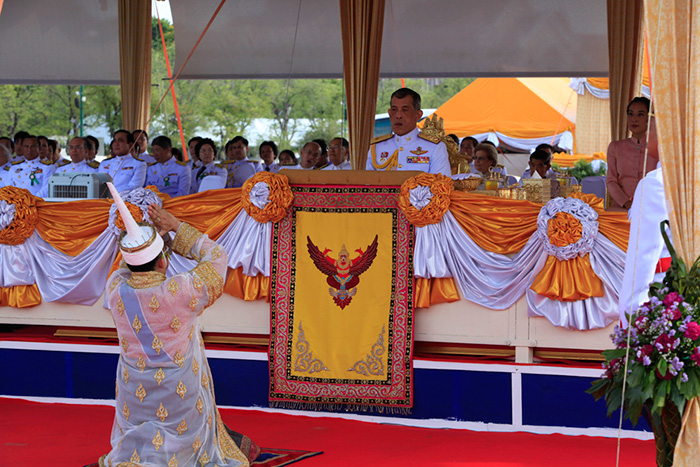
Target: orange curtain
362,23
625,60
135,62
246,287
20,296
72,226
674,46
433,291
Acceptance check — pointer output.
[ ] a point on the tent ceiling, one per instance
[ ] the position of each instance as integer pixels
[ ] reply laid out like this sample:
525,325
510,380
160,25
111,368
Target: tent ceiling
59,42
76,41
440,38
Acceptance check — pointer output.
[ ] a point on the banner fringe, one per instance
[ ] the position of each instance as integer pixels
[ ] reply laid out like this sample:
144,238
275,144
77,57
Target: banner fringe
338,407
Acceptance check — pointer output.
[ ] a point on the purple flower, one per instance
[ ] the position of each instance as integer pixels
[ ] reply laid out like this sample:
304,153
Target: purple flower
646,361
676,366
664,343
684,377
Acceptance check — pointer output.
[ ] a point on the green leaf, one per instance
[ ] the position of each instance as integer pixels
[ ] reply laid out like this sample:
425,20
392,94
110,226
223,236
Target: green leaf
662,366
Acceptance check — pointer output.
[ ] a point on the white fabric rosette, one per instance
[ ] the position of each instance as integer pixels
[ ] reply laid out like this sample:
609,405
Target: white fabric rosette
7,214
581,211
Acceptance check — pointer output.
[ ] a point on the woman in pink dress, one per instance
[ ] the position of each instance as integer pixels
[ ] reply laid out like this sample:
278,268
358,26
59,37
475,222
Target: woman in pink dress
626,157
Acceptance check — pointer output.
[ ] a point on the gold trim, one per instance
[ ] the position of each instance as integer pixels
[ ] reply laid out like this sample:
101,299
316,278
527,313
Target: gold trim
148,242
145,279
185,237
212,279
372,365
305,361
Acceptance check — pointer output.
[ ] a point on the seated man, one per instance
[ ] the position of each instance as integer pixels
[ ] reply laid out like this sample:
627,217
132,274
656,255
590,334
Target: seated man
406,148
79,163
127,172
166,412
237,165
32,173
541,163
338,155
308,156
167,173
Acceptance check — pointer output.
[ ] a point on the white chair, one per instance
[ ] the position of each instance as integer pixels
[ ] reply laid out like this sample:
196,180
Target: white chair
211,183
594,185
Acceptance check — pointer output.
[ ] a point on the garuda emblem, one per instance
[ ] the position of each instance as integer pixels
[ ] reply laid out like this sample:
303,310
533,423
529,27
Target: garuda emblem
343,273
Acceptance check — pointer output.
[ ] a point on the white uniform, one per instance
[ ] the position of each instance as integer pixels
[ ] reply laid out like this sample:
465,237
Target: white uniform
408,152
210,170
274,167
240,171
80,167
345,165
32,175
127,172
646,246
171,177
147,158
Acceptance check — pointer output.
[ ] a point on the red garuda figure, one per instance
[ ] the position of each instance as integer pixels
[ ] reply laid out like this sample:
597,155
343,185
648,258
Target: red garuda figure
343,273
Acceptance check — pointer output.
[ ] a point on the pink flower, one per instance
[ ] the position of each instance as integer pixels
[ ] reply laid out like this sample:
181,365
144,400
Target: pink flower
696,356
693,331
673,297
644,351
664,343
674,313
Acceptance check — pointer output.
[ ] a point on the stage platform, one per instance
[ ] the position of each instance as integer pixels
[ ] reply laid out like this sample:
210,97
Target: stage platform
487,393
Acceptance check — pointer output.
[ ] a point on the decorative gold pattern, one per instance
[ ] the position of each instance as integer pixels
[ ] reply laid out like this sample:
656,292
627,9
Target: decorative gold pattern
191,332
173,462
157,440
126,412
226,444
204,459
200,405
372,365
173,287
146,279
181,389
141,363
125,343
175,324
159,376
195,367
114,284
116,388
212,279
209,421
120,306
182,427
198,284
136,324
162,413
205,379
154,305
179,359
140,393
202,253
125,374
185,237
157,345
305,361
197,444
216,253
135,457
193,303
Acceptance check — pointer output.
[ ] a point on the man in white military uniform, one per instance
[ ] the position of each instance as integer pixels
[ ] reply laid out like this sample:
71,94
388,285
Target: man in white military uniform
32,174
237,165
79,163
127,172
338,152
407,148
647,257
141,138
167,173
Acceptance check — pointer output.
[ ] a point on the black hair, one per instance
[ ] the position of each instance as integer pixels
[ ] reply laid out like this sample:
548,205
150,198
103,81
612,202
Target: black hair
162,141
343,142
454,138
642,100
149,266
177,154
541,155
53,144
239,138
93,142
195,139
403,92
12,143
129,136
201,143
470,138
324,147
272,144
20,135
545,147
137,133
291,153
40,137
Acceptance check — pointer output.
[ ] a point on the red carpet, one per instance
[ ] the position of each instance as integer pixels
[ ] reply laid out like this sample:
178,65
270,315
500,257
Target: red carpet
65,435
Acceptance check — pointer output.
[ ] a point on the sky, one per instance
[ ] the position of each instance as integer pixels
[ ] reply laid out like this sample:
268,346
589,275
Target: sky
163,10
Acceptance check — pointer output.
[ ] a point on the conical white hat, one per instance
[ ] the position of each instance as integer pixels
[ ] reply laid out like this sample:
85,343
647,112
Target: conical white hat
139,242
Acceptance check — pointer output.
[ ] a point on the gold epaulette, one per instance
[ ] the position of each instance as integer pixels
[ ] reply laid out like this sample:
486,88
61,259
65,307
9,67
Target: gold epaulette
47,162
138,158
432,138
16,162
63,162
152,163
94,164
108,158
182,163
500,166
381,138
322,167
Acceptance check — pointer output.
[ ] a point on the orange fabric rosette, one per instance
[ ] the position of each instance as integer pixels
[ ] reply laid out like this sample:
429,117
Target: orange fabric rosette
280,197
135,211
26,215
564,229
440,186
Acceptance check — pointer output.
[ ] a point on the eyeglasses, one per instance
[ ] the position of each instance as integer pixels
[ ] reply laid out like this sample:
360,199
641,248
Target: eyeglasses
333,148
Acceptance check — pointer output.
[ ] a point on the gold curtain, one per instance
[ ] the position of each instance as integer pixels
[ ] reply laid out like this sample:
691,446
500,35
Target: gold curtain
362,24
592,124
674,45
625,60
135,62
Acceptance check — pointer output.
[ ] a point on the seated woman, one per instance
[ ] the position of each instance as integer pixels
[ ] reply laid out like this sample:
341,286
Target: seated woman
485,159
626,157
206,152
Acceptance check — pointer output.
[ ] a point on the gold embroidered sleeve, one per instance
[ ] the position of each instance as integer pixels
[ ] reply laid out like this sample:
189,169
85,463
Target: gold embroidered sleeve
211,278
185,237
